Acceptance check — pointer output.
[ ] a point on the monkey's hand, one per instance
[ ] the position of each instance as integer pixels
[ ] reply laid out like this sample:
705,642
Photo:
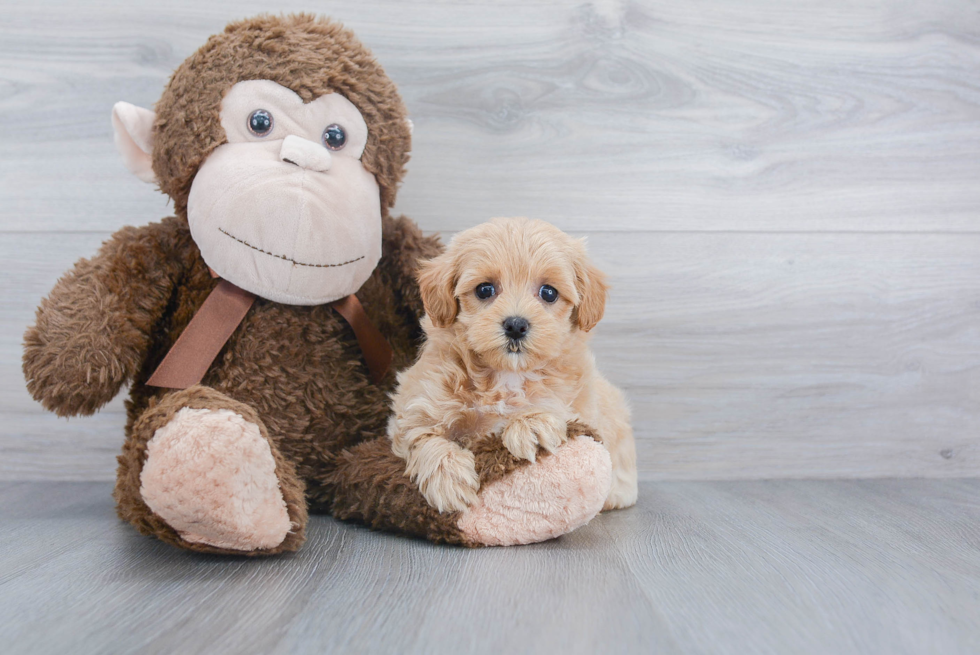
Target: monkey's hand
73,360
526,432
91,333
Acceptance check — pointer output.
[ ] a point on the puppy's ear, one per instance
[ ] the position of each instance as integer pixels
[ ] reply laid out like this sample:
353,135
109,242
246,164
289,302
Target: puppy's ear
437,286
592,289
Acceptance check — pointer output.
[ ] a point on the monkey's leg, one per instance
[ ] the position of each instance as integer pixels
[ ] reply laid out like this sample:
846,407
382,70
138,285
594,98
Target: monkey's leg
200,472
519,502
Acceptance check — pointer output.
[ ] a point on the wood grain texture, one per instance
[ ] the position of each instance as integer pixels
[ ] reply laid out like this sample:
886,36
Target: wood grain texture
785,197
625,115
744,356
723,567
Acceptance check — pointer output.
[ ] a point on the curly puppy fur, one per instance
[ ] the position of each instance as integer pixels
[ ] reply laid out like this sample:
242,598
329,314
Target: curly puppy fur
472,377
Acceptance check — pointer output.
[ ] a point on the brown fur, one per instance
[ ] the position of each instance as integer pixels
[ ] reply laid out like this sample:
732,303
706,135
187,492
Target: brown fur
114,317
309,56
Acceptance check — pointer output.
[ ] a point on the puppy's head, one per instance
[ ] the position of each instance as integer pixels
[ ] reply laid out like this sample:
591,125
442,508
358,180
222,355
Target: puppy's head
516,290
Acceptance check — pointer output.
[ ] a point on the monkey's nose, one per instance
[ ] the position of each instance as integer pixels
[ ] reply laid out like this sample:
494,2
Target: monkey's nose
304,153
515,327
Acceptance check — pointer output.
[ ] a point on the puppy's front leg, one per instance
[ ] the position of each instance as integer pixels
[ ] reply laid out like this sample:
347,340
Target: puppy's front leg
525,432
444,472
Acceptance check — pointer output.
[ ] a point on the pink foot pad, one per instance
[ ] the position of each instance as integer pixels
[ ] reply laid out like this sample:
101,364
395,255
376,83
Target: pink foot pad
211,476
544,500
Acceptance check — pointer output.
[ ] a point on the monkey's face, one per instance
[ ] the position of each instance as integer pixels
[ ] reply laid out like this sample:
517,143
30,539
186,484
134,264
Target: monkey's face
285,209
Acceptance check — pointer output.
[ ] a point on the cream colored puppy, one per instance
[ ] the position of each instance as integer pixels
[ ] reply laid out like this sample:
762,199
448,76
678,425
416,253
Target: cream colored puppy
508,309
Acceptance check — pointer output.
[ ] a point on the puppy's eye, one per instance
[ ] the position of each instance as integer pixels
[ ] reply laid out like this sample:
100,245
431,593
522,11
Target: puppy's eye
485,290
548,293
260,122
334,137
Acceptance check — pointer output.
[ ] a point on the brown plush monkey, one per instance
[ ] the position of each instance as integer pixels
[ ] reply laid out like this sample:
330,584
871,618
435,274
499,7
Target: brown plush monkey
281,143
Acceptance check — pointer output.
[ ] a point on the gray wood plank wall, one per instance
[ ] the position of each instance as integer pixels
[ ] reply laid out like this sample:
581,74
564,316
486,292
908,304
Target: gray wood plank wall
785,194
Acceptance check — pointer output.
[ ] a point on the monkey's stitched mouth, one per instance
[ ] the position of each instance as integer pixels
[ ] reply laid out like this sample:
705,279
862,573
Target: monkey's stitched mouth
272,254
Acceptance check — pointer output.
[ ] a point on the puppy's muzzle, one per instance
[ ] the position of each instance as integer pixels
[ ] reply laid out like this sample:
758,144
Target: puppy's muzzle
516,327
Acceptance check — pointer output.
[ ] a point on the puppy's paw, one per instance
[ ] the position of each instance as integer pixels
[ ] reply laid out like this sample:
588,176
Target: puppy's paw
623,491
445,473
524,434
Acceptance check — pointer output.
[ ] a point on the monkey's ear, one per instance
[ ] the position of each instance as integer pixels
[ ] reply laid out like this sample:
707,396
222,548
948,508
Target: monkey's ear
592,289
133,128
437,286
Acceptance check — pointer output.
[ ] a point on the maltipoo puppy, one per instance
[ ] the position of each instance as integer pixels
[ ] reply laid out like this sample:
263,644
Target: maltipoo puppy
509,307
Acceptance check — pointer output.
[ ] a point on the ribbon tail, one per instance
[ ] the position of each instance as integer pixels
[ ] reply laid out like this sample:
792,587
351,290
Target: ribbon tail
375,348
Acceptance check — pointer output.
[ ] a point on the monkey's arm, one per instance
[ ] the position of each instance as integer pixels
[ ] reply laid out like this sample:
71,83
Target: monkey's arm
403,247
92,331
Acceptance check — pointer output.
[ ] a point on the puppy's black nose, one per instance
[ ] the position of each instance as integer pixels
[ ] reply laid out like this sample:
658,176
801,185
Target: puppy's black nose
515,327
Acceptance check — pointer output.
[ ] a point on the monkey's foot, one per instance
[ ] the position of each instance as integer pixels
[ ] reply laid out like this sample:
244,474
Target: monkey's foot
211,475
542,500
519,501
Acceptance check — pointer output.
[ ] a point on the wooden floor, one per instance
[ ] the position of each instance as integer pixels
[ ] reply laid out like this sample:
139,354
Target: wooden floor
883,566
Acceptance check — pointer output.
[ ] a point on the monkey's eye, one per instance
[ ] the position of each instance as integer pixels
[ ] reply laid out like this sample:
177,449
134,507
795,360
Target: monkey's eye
548,293
260,122
334,137
485,290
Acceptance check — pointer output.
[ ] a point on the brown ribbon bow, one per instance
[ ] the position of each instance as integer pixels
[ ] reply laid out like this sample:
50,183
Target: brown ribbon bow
223,311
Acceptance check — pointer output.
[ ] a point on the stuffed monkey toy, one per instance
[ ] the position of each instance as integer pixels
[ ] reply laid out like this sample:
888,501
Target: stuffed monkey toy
259,327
